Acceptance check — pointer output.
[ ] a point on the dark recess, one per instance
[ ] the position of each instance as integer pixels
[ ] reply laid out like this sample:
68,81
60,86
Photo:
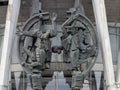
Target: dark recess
3,3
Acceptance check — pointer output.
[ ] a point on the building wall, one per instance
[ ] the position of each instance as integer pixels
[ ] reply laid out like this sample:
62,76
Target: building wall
61,6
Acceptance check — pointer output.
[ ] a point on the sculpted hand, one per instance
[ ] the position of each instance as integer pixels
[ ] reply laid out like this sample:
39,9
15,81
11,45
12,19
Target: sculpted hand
53,17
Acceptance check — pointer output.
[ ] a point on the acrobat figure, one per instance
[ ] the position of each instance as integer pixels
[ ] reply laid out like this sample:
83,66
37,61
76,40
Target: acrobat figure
43,44
40,57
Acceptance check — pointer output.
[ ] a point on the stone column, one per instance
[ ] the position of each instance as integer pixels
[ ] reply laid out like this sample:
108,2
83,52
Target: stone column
10,28
101,23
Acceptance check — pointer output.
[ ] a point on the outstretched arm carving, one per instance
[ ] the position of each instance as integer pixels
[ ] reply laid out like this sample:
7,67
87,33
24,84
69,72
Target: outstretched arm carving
53,31
31,33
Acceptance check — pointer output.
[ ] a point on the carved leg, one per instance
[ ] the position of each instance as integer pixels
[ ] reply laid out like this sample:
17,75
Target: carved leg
77,80
40,56
75,58
29,86
48,59
29,53
36,81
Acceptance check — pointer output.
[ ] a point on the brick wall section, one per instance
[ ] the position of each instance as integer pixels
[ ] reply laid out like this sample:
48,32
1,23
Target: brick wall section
24,12
113,10
58,6
61,6
3,10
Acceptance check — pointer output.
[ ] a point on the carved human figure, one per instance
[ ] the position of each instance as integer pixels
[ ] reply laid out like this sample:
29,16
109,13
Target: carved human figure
43,44
42,53
78,48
